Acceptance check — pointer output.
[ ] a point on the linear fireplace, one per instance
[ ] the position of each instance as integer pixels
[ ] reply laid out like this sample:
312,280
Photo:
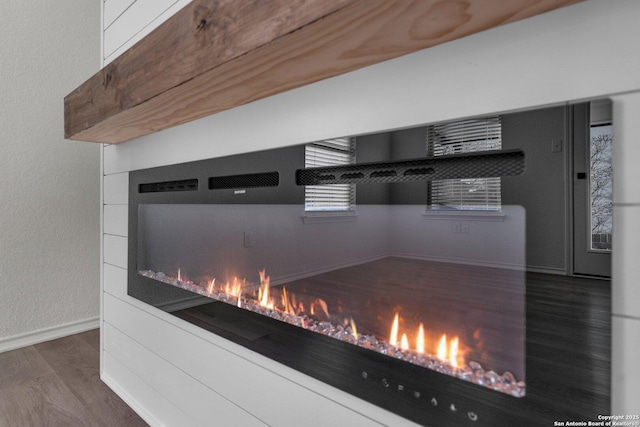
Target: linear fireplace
368,298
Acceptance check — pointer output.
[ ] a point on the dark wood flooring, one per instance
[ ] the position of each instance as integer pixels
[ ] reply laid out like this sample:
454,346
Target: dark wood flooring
569,346
57,383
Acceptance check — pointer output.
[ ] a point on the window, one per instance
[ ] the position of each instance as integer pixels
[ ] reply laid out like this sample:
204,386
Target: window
464,137
334,197
601,186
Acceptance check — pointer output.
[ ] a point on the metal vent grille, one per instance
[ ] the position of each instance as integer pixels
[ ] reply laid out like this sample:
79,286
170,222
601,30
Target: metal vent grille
252,180
472,165
169,186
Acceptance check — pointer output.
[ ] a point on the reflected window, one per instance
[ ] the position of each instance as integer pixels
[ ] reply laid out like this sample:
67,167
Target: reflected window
461,137
333,197
601,186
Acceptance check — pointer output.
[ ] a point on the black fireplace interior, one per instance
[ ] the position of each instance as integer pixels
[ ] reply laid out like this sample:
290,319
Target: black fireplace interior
419,312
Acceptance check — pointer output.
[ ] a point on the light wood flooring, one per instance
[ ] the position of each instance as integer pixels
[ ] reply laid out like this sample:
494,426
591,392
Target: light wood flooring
57,383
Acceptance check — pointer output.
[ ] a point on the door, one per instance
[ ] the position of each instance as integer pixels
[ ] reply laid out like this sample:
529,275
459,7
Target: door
592,188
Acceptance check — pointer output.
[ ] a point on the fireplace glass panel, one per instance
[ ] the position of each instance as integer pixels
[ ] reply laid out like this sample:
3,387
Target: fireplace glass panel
443,293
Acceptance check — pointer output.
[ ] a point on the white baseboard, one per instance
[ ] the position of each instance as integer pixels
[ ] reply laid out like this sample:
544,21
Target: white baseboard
129,400
545,270
48,334
462,261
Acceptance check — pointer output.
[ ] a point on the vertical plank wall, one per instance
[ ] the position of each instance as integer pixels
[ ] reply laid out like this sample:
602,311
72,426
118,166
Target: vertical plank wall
173,373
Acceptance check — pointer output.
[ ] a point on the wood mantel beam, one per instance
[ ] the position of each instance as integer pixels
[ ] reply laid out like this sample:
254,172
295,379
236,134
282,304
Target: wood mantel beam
214,55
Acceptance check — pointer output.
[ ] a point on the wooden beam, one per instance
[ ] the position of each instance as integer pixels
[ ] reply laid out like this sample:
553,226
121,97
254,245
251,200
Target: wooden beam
218,54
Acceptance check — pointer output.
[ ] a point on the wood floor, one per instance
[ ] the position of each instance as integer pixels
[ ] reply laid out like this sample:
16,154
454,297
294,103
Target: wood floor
57,383
569,346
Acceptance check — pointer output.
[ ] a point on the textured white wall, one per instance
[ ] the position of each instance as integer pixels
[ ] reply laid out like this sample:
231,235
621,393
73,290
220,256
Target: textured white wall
49,187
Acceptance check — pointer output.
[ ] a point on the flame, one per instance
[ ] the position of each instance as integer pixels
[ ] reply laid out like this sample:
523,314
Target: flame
393,337
234,288
289,303
354,330
263,294
453,352
449,351
442,348
295,306
321,304
404,343
263,275
420,340
285,300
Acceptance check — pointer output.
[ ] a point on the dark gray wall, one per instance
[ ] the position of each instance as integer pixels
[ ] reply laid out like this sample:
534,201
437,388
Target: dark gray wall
409,144
373,148
389,146
541,190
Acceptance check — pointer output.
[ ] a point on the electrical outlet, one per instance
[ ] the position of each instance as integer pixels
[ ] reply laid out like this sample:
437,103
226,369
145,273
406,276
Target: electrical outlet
456,227
464,228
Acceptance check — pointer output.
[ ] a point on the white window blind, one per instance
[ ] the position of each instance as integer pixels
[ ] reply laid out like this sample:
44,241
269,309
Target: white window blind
334,197
465,137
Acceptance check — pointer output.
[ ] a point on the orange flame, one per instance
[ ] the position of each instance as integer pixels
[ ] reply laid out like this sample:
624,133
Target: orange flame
453,352
393,336
420,340
322,305
288,302
447,351
263,294
354,330
234,288
442,348
404,343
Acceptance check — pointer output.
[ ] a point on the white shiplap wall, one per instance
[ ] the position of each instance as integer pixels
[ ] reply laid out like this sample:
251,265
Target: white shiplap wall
169,370
125,22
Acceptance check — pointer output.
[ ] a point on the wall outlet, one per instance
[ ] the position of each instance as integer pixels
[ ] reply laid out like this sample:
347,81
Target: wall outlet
456,228
464,228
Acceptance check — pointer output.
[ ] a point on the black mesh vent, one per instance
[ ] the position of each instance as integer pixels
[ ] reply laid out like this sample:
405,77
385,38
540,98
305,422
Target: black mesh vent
252,180
472,165
168,186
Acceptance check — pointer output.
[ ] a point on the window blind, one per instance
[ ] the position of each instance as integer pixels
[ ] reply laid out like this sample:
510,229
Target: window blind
330,152
465,137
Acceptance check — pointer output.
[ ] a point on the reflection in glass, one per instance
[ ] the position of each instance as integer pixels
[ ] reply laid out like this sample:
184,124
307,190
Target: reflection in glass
388,280
601,186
